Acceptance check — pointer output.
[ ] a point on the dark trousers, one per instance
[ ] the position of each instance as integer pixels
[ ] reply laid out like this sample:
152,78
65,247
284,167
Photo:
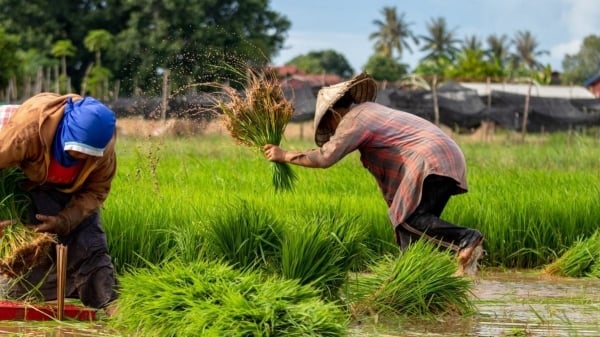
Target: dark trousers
425,220
90,272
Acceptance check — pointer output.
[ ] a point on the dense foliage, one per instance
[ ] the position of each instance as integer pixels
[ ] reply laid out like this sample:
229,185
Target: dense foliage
148,35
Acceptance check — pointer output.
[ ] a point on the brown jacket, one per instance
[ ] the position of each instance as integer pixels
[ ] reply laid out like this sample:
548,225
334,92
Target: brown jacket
26,141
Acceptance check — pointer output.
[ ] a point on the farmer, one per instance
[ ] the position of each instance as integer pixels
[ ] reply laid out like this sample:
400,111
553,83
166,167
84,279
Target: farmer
416,165
64,145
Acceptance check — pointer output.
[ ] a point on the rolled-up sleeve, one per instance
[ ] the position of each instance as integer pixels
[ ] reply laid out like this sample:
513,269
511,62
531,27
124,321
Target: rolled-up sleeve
348,136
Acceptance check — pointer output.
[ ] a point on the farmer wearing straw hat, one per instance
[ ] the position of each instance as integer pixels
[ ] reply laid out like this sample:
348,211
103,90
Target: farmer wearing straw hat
65,147
416,165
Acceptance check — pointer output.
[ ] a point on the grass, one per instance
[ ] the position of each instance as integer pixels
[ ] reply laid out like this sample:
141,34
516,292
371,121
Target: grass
209,298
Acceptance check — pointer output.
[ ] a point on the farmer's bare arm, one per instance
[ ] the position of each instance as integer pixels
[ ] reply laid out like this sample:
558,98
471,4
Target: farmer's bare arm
312,158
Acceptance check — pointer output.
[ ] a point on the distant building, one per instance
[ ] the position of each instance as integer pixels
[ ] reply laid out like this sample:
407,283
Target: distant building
593,84
554,91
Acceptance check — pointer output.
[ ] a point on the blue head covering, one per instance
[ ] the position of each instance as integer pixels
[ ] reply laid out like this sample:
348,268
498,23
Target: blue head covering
87,127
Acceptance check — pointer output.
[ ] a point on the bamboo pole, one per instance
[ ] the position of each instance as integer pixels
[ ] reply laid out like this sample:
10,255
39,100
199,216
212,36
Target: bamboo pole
436,108
61,277
526,112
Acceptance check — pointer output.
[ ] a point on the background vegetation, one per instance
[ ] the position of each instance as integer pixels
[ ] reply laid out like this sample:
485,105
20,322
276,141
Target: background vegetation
112,48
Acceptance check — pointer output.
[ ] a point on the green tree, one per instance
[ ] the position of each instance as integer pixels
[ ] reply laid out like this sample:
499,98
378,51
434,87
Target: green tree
392,34
472,42
441,42
97,40
498,49
383,68
63,49
325,61
527,52
9,61
188,37
585,63
470,65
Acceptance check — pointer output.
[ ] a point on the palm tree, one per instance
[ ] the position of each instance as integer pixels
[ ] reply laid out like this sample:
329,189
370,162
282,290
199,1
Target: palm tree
472,42
62,49
527,52
498,48
441,42
96,40
392,34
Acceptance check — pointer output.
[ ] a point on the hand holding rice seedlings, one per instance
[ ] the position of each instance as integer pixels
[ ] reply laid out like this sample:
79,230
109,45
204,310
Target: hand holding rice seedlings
21,248
259,118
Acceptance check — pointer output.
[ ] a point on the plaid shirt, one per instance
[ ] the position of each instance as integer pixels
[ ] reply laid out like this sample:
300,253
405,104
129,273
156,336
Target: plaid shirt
6,111
399,149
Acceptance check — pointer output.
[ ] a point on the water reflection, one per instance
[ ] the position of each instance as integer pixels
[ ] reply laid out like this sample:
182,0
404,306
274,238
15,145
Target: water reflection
512,304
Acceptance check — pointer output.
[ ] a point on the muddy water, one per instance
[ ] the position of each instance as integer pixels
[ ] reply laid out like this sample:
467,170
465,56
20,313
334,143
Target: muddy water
508,304
512,304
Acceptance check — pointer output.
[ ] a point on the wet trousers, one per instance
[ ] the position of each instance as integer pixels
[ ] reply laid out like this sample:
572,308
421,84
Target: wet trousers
90,272
425,220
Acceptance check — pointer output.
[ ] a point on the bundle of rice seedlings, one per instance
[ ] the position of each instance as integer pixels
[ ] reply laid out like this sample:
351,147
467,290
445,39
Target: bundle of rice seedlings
419,282
209,298
259,117
245,236
314,256
579,260
21,248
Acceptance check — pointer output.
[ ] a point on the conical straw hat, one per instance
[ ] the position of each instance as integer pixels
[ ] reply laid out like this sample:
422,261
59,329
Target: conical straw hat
362,88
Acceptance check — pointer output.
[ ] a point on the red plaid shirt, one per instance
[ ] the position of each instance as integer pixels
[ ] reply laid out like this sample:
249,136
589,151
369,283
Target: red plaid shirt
6,111
400,150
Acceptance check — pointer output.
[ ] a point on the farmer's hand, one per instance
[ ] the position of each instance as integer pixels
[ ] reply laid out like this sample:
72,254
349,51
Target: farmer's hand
57,224
4,224
274,153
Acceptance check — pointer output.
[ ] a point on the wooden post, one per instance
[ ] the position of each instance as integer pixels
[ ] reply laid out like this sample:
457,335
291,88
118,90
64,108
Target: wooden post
165,94
526,113
486,135
436,109
61,279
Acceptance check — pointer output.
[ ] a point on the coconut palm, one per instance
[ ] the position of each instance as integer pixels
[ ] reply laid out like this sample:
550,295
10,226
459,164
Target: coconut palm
62,49
95,41
392,34
498,48
440,41
526,46
472,42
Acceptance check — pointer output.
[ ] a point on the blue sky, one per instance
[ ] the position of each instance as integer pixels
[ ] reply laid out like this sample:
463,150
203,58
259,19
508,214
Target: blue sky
344,25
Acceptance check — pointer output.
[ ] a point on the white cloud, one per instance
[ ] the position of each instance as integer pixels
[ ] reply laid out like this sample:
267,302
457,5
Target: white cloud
582,17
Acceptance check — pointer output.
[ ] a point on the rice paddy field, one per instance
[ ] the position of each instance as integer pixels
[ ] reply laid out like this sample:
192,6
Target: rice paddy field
188,212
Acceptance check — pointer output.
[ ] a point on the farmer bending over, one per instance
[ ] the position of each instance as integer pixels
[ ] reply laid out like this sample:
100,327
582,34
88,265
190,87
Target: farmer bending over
417,166
65,147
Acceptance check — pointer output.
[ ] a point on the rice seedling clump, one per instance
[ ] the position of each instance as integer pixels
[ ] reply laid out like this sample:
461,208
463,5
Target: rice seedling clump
21,248
259,117
580,260
209,298
419,282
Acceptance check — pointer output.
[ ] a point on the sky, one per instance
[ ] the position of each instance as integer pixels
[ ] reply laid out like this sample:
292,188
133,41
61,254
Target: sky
345,25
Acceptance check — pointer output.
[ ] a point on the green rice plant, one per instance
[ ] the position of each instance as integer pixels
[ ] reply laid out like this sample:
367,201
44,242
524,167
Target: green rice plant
209,298
420,282
579,260
595,269
314,255
21,248
259,117
244,235
346,230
